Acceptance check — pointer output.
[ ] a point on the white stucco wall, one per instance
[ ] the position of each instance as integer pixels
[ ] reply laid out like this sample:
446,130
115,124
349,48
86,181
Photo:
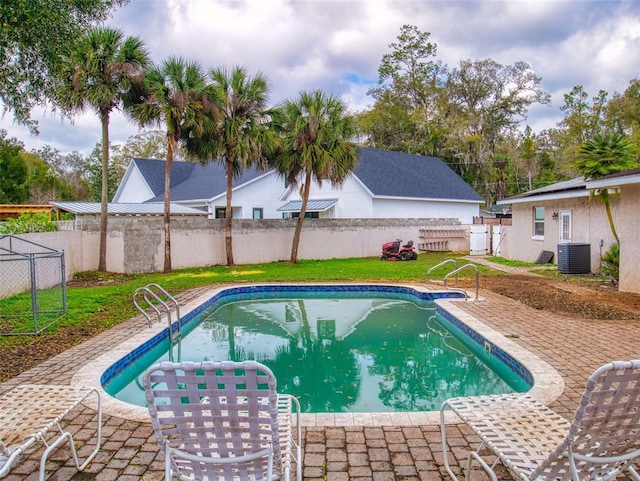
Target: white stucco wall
629,233
72,243
135,243
589,225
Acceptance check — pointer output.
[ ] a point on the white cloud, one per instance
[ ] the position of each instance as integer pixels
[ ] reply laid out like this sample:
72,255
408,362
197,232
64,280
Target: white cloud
337,46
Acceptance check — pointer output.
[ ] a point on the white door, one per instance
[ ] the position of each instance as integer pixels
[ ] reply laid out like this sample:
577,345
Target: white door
496,239
565,226
478,239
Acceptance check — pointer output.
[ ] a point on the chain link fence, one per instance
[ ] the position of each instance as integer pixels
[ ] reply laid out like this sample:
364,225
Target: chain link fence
33,292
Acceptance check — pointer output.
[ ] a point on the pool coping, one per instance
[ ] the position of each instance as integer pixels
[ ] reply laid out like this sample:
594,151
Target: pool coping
548,384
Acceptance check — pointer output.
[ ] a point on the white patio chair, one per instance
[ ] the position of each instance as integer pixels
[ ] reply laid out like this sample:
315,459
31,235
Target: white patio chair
34,412
535,443
223,420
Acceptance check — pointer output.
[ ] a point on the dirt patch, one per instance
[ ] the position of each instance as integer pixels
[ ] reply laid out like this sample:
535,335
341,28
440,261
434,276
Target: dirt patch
599,301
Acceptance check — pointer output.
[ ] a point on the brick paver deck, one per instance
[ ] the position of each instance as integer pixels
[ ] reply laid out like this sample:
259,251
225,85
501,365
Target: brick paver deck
574,347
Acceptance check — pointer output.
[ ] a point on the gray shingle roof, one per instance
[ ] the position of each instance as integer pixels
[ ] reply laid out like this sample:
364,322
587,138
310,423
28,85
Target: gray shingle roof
398,174
572,185
385,173
153,171
192,180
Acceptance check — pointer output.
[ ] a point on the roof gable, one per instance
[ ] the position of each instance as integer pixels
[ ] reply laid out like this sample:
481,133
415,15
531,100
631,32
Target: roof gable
153,172
397,174
202,182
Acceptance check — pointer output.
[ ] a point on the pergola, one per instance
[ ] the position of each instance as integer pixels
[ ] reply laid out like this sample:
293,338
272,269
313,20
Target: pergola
11,211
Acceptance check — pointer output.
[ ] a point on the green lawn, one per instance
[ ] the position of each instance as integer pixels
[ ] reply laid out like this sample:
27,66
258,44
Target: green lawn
106,301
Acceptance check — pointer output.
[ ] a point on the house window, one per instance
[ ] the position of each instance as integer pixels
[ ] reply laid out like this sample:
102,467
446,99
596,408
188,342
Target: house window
258,213
307,215
221,212
538,222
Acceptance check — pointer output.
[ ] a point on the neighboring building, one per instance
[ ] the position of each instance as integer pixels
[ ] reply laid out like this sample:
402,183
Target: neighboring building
560,213
384,184
627,224
91,210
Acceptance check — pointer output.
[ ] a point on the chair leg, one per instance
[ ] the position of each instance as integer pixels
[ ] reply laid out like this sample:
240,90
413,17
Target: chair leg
445,446
634,474
488,469
168,475
473,455
64,437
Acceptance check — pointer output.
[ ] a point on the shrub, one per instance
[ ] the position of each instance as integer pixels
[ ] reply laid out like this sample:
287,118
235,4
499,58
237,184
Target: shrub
610,262
27,223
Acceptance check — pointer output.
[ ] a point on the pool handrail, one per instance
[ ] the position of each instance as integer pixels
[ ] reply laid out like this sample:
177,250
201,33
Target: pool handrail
456,288
146,292
446,261
134,298
169,297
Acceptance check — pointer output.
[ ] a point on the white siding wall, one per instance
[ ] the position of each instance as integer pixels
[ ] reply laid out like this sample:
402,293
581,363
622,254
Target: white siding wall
135,188
264,192
354,203
419,209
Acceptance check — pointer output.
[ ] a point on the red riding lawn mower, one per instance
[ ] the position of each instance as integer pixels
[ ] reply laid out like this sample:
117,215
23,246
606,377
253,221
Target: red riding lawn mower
393,251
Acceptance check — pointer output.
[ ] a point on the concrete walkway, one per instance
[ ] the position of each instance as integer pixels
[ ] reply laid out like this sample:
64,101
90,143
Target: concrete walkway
574,347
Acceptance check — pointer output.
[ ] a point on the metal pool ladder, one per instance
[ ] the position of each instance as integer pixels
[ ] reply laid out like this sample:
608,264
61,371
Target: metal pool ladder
154,292
455,274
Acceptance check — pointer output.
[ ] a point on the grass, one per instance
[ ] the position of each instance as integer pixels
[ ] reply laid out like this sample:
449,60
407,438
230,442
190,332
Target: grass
513,263
105,300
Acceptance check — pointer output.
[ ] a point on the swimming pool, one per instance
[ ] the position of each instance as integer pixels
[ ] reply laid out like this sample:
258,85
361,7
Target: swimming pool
395,352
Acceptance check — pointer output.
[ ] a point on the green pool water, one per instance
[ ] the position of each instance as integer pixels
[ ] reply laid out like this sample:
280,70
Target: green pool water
337,353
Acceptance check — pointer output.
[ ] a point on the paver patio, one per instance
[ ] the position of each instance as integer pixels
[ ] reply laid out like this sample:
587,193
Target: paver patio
574,347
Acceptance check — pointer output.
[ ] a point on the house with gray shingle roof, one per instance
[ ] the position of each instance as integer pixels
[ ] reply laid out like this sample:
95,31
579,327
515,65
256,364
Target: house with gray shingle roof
384,184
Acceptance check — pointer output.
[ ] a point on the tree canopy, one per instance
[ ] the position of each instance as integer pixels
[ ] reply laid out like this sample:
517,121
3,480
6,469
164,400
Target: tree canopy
35,38
316,132
102,72
235,130
172,97
474,115
603,154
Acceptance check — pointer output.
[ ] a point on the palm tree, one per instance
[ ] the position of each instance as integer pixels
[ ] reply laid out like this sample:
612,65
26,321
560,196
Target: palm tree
173,97
315,132
101,73
237,131
604,154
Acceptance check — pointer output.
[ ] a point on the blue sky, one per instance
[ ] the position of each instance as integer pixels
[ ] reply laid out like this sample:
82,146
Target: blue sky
337,46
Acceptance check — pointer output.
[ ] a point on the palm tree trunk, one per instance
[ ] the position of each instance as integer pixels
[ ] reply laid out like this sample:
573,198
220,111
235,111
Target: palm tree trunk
607,208
167,208
228,214
303,211
104,194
